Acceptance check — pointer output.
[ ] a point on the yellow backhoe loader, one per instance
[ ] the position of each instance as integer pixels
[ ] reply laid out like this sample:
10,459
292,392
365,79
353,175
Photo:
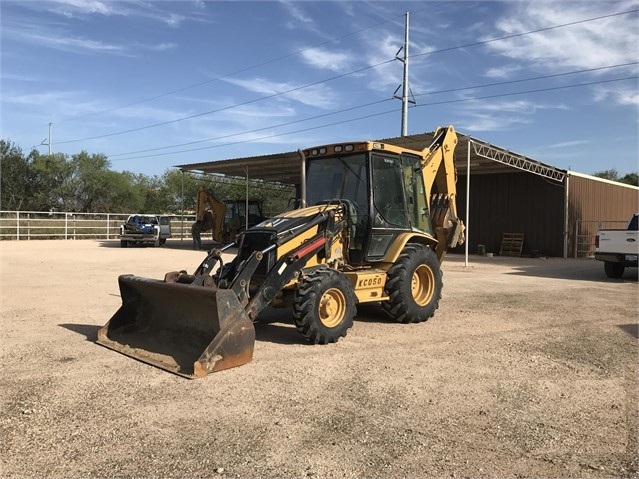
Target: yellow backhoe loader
210,211
225,219
236,219
380,220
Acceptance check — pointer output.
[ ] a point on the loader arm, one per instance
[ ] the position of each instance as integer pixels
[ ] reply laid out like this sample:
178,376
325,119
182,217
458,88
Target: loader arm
190,324
291,264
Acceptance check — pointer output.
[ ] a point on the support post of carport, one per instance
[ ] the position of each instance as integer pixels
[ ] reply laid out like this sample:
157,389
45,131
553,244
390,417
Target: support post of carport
566,223
302,179
467,204
182,219
246,207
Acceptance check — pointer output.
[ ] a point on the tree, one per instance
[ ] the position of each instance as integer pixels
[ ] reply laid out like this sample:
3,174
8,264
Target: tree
124,194
173,184
631,179
16,178
93,187
85,183
613,175
50,182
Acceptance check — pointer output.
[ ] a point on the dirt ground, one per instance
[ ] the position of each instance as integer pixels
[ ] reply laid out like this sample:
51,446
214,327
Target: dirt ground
528,369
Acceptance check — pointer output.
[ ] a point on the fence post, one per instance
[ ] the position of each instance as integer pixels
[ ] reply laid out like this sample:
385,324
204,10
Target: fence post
66,226
108,226
28,226
17,226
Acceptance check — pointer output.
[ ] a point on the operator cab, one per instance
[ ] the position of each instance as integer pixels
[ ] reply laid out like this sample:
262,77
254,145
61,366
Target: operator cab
383,189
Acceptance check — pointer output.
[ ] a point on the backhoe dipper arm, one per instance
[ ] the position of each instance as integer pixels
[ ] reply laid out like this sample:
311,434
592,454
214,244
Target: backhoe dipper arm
438,170
218,210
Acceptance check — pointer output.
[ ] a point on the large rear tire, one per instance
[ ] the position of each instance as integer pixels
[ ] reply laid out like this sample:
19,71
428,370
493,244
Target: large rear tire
613,270
414,285
324,306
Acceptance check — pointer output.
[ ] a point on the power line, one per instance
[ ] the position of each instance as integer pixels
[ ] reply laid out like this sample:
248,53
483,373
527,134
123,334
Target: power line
367,105
222,77
487,97
256,130
334,78
634,77
543,77
515,35
255,100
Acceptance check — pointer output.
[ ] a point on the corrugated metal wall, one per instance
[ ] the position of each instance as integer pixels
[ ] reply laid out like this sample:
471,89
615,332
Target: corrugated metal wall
515,202
526,203
591,201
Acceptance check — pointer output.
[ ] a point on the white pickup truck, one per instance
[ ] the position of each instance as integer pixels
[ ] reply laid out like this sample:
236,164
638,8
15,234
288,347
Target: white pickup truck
145,229
618,249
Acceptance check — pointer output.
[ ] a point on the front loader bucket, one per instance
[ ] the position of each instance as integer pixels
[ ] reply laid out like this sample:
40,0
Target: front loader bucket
186,329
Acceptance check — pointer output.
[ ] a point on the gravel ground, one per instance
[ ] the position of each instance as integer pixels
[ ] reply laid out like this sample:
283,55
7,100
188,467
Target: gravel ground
528,369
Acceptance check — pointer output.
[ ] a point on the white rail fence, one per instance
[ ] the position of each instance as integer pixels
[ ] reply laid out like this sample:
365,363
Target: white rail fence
34,225
585,232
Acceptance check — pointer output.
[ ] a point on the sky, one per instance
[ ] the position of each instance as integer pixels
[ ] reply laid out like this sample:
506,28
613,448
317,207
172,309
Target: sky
154,84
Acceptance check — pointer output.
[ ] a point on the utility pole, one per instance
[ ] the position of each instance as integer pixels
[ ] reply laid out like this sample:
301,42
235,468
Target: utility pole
49,142
404,85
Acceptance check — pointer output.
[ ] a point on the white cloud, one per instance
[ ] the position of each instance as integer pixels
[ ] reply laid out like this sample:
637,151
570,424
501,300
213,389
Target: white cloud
154,11
500,114
383,48
503,72
319,96
297,13
583,45
592,44
160,47
253,111
564,144
515,106
327,60
150,113
174,20
22,78
75,7
477,122
72,103
60,39
77,44
621,94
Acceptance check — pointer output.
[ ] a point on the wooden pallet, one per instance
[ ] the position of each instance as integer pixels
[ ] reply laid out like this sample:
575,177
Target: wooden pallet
512,244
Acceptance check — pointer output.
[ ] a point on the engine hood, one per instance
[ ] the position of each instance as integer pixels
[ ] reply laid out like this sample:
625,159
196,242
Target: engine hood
293,219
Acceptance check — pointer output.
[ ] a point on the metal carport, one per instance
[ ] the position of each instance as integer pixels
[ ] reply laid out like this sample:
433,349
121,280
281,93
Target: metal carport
536,205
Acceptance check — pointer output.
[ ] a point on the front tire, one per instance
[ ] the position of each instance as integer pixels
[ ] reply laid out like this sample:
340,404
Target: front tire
324,306
123,243
613,270
414,285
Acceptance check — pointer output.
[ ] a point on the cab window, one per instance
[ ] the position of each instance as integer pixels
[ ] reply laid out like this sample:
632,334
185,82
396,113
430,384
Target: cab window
388,190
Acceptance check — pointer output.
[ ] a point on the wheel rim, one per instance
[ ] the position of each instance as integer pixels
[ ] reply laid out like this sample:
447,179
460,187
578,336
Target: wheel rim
332,307
423,285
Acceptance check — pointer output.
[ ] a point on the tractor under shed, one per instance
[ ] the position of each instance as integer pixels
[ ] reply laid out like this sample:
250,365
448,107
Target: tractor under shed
558,212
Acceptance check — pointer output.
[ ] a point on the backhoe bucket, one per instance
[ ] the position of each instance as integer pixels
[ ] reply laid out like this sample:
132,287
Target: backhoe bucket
186,329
